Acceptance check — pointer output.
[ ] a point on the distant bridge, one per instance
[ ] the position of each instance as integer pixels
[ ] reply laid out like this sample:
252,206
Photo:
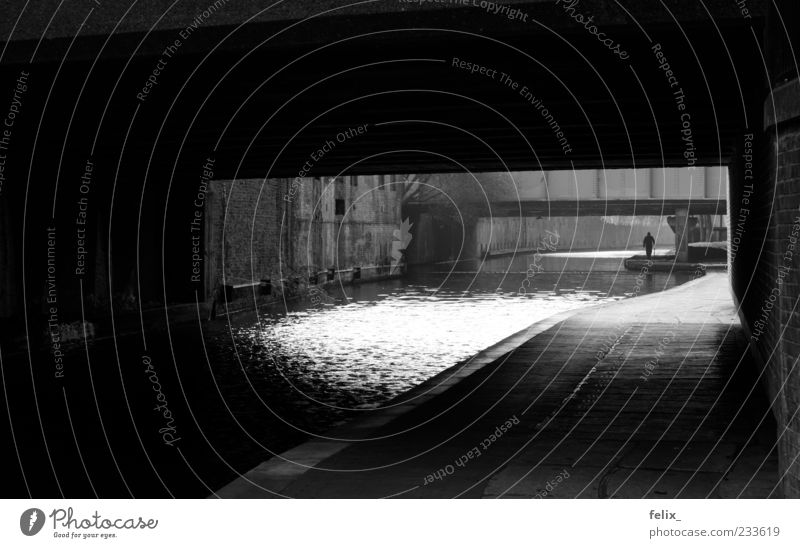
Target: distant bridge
593,192
582,208
298,73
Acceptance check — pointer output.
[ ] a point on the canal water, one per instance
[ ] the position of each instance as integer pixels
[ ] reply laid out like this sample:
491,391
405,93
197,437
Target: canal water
352,349
236,391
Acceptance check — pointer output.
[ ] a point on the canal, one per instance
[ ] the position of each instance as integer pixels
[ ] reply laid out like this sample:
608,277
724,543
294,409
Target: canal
363,345
307,366
236,391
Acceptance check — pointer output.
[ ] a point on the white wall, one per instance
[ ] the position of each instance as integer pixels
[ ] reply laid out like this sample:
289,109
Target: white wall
575,233
610,184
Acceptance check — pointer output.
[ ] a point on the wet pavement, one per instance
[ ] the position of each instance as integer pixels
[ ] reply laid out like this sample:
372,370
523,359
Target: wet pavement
653,396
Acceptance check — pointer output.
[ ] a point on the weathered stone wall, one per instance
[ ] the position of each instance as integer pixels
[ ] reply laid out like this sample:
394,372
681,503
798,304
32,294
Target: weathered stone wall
282,229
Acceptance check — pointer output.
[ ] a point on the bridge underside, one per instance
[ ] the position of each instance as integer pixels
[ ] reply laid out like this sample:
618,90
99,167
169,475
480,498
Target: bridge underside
268,100
570,208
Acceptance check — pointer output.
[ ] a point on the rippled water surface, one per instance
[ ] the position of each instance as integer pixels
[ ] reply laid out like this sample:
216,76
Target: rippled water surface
367,344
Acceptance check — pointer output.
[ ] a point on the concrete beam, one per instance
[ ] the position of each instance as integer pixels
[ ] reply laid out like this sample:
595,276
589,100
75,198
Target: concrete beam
49,29
49,19
588,208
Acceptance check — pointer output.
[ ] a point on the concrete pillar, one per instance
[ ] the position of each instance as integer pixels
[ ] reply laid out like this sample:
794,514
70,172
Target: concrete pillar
681,235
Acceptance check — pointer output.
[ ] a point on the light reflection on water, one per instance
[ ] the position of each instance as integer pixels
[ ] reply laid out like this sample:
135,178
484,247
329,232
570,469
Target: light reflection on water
372,342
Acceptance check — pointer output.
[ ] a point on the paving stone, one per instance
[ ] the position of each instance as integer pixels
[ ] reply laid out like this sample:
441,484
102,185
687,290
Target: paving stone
545,482
630,484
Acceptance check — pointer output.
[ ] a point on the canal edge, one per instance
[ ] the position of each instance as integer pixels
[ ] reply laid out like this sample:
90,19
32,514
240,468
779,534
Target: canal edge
267,479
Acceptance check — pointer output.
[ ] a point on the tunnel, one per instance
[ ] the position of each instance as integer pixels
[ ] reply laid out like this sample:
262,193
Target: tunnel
143,149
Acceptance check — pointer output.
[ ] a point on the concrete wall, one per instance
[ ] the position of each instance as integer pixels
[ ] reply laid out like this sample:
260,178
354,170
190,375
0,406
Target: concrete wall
282,229
581,233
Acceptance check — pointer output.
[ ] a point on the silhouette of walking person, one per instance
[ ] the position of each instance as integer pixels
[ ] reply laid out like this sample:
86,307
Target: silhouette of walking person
648,244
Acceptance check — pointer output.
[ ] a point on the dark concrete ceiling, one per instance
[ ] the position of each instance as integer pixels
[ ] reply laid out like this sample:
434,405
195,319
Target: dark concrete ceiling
262,104
54,19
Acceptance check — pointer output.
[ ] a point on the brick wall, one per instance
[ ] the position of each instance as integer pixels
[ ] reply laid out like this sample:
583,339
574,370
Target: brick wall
765,271
788,232
243,230
765,276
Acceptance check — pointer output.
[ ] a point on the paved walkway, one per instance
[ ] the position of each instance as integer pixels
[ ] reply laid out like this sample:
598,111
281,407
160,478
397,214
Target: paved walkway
650,397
